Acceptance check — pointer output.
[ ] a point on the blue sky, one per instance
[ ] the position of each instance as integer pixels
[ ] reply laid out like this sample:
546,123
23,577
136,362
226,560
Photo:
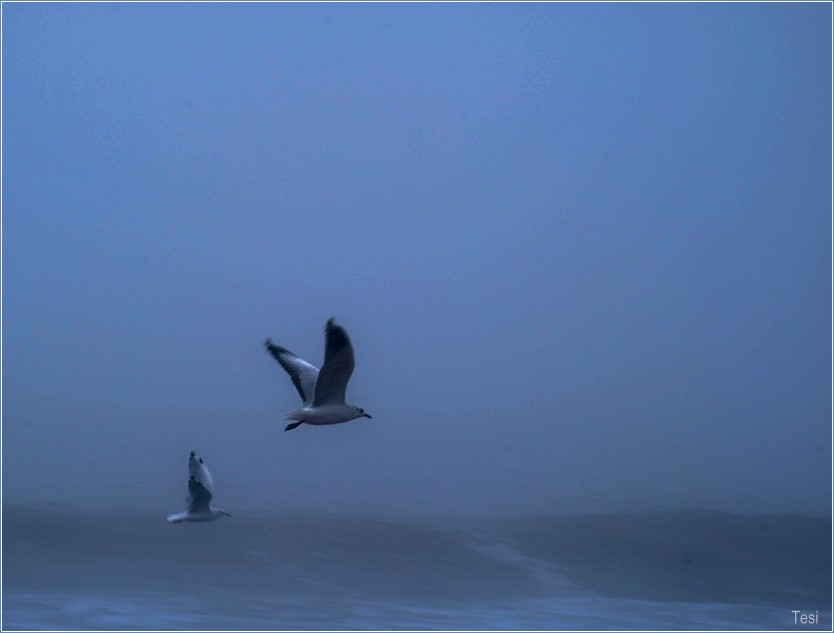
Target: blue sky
583,252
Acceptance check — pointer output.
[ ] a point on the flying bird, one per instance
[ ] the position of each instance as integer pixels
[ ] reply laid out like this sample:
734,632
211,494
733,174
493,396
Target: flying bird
323,391
199,494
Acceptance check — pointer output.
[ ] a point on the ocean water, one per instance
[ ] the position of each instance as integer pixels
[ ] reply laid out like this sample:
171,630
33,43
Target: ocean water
73,569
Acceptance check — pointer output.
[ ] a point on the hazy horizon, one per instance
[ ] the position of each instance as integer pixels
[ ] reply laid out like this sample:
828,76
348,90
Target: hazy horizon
583,252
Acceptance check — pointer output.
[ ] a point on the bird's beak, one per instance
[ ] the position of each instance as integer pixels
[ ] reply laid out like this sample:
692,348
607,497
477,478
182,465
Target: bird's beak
367,416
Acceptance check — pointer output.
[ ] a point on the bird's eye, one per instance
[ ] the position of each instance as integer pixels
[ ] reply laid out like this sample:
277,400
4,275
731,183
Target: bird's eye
361,410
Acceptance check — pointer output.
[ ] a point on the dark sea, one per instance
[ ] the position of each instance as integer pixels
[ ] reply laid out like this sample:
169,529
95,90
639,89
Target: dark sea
70,568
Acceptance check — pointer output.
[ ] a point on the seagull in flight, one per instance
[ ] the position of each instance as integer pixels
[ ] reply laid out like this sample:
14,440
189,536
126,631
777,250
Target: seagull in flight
199,494
323,391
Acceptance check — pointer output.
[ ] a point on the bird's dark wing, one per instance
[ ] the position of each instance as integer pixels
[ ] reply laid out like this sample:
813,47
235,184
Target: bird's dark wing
337,368
198,496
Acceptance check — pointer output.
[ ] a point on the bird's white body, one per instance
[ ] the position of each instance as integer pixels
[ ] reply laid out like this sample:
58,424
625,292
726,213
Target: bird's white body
197,516
323,391
326,414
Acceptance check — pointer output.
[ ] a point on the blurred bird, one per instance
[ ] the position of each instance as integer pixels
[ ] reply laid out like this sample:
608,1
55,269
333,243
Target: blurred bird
199,494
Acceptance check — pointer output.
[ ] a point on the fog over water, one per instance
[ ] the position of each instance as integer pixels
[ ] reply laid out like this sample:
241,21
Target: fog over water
582,252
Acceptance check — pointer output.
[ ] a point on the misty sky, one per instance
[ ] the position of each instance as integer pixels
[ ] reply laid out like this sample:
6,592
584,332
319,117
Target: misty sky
583,253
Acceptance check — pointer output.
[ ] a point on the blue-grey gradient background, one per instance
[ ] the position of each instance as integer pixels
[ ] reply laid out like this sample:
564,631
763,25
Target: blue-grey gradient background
582,251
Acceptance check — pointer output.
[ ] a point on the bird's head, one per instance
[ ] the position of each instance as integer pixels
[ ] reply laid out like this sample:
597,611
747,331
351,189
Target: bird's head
360,413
